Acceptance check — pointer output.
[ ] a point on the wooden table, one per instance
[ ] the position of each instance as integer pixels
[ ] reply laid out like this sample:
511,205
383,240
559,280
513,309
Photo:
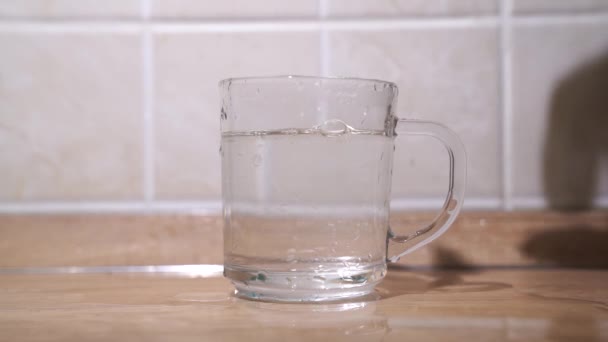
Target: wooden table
522,304
538,239
512,279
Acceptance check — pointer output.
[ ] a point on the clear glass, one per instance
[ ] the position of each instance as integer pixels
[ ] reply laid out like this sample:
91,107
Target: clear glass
306,179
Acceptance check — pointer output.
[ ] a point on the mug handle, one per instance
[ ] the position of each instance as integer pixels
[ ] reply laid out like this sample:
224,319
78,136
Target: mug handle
455,196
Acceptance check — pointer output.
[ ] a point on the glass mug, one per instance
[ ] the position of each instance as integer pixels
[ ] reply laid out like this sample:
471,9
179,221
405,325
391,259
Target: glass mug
306,180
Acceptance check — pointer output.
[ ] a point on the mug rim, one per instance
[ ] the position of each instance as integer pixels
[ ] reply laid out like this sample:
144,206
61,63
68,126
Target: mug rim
324,78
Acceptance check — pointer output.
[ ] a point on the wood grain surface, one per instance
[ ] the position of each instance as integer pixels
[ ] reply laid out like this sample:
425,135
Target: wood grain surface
540,238
498,305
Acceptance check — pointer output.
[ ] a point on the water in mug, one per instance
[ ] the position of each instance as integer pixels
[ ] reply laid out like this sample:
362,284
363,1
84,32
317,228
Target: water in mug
308,208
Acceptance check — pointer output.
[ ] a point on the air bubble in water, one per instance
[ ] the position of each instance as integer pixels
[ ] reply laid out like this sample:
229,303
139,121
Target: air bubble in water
334,127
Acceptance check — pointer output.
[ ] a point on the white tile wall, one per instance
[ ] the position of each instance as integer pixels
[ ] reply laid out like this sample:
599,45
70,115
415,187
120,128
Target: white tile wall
69,9
400,8
113,106
233,9
555,6
70,116
187,99
462,65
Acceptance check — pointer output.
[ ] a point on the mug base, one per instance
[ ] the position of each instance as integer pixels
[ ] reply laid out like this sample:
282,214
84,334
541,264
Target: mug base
304,286
274,295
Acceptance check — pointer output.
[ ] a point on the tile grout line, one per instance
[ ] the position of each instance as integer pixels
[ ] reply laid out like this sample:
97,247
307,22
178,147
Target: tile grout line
558,19
325,50
246,26
347,24
539,202
506,102
95,26
136,207
324,37
144,8
210,206
213,207
147,60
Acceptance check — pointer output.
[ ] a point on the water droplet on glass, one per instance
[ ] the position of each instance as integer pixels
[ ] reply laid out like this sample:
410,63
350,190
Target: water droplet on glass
291,256
257,159
319,278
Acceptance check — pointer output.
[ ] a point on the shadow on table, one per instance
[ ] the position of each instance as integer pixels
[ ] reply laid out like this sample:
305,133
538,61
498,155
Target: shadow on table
576,246
571,327
447,275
